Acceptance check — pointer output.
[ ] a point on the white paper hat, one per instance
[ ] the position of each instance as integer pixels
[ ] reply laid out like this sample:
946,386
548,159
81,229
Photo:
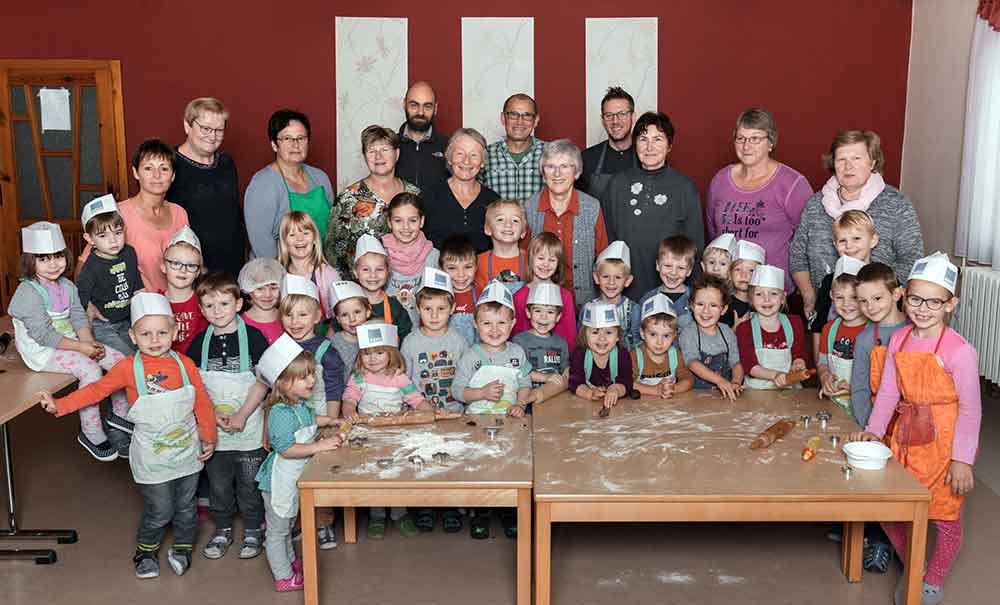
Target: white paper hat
436,279
296,284
98,205
768,276
544,293
377,334
342,290
277,357
42,238
747,250
616,249
367,243
149,303
496,292
599,315
658,303
937,269
259,272
848,265
186,235
726,241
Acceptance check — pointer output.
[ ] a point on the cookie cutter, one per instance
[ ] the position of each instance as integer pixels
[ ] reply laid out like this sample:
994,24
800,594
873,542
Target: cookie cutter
417,461
805,421
357,443
604,413
847,471
335,468
491,431
383,462
498,422
440,457
835,441
824,418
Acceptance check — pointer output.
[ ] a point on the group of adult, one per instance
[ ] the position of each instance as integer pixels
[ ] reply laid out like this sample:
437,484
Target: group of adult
622,188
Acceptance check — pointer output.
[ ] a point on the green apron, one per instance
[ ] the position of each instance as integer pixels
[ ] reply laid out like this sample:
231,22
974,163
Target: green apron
313,203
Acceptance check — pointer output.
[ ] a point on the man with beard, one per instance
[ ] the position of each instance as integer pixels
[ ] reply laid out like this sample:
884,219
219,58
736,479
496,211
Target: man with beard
613,155
421,147
512,163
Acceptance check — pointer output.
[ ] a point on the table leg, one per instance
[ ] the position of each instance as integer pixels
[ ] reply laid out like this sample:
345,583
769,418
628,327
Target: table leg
350,525
845,548
916,551
853,545
524,547
310,568
543,552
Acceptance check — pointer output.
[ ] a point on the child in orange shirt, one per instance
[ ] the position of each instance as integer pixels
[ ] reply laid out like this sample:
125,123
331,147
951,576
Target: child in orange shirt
506,225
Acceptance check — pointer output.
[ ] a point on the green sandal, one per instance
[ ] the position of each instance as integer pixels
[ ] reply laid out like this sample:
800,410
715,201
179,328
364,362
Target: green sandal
376,529
479,525
407,527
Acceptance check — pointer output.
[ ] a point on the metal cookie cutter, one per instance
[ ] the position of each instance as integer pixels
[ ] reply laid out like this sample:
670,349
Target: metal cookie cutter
491,432
847,471
357,443
383,462
335,468
835,441
805,421
498,422
417,461
824,418
440,457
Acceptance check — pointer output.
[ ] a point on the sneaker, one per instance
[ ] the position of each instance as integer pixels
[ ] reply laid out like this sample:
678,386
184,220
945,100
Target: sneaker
931,595
116,421
326,537
296,582
297,566
376,529
407,527
179,559
508,520
219,544
876,556
123,450
147,565
296,533
835,533
251,544
104,451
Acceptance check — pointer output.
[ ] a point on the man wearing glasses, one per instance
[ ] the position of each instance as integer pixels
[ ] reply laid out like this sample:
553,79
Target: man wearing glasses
421,147
207,187
613,155
512,163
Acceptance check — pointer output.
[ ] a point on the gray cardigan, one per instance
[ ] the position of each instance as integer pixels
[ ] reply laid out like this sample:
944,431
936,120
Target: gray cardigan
900,240
28,306
266,201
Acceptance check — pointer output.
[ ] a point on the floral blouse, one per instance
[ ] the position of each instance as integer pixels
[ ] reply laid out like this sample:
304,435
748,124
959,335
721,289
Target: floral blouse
356,211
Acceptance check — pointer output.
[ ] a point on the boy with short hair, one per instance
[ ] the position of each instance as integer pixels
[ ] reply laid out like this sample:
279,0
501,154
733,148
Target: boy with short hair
747,257
836,347
458,260
613,274
718,256
350,309
674,262
657,365
182,265
547,352
506,225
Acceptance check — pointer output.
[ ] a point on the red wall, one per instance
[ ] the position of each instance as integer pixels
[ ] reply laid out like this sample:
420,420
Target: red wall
819,66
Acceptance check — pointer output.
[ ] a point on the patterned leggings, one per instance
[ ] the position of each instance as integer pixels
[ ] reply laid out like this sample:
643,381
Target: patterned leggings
946,547
88,371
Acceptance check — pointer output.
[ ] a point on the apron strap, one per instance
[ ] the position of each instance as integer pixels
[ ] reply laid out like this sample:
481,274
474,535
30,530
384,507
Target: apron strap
672,360
241,337
786,326
42,291
639,359
588,365
758,342
139,373
321,351
386,311
600,160
831,337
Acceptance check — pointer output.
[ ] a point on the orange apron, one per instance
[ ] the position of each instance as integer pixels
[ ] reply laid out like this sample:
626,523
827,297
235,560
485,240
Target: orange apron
925,425
877,360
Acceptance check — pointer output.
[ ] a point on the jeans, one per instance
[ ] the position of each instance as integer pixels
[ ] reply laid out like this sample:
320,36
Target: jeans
278,541
231,480
168,502
113,334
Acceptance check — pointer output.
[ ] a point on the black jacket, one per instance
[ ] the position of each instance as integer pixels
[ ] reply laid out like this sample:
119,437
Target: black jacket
422,163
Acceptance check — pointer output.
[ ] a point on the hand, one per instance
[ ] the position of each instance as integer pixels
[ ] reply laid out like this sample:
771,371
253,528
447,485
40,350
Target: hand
828,384
328,444
808,301
554,379
780,380
207,449
236,422
738,319
730,390
492,391
93,313
863,436
93,350
517,411
424,406
597,393
666,388
611,398
46,401
350,412
960,478
798,364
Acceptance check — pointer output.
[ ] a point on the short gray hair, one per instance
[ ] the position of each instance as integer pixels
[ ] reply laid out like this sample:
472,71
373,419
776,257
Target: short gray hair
472,133
759,118
561,147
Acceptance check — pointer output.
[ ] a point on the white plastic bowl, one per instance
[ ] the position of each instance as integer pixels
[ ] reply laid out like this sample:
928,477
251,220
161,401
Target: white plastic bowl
867,455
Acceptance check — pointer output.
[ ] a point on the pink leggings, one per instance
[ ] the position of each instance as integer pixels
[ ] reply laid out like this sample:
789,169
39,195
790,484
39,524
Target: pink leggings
88,371
946,547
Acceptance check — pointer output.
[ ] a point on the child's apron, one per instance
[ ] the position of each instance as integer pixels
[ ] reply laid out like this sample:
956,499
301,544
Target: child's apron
717,362
779,360
35,355
840,367
486,374
228,392
640,362
377,399
285,471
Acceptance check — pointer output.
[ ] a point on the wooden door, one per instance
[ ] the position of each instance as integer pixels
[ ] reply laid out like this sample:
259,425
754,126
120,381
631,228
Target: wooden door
51,174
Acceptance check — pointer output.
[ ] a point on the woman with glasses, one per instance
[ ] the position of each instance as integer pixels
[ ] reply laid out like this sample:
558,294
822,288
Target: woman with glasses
758,198
286,184
360,208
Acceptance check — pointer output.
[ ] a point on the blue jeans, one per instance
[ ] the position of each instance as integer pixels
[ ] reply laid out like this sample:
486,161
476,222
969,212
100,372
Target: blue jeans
170,502
231,480
114,335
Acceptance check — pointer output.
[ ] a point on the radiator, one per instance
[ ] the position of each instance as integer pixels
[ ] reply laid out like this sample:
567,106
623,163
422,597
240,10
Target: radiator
978,317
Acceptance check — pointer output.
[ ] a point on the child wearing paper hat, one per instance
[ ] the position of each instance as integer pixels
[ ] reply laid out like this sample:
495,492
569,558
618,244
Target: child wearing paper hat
613,274
600,369
371,270
182,264
835,361
748,256
548,352
718,256
350,309
658,365
546,265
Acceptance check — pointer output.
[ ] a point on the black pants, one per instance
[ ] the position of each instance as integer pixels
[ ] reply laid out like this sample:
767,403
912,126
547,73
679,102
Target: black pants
231,480
170,502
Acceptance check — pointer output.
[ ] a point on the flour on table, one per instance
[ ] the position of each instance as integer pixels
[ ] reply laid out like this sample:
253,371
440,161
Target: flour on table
674,577
410,442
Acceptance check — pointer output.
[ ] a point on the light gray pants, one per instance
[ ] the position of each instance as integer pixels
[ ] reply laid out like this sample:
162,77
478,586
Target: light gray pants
278,541
114,335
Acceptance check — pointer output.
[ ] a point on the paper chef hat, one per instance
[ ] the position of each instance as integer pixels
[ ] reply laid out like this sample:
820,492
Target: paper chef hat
276,358
42,238
186,235
746,250
296,284
616,249
937,269
768,276
544,293
377,334
726,241
367,243
498,293
658,303
149,303
342,290
599,315
260,272
848,265
98,205
436,279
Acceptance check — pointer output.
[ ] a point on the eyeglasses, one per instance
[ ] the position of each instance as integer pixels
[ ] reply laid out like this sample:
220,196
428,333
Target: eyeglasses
374,151
207,132
517,116
293,140
179,266
619,115
934,304
557,168
753,140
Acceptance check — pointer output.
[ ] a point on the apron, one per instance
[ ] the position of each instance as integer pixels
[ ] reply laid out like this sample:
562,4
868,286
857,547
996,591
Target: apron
588,367
313,203
165,444
640,362
386,311
772,359
718,362
840,367
925,425
598,182
877,359
318,402
487,374
228,392
377,400
513,284
35,355
465,323
285,471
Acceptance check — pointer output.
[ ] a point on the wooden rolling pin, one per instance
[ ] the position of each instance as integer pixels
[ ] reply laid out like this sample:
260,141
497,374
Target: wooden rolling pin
797,376
409,418
773,433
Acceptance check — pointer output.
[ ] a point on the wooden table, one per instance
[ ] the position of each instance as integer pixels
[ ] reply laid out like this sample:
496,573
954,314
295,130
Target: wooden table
689,460
481,472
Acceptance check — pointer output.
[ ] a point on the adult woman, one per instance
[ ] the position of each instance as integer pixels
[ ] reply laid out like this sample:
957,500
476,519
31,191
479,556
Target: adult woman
286,184
457,205
855,160
651,201
758,198
359,209
572,215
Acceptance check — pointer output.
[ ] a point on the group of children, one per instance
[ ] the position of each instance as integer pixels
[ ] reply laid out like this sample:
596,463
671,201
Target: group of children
206,383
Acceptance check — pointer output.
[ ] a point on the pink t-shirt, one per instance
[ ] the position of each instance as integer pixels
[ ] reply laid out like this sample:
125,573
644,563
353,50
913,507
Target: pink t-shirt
566,327
961,363
271,330
767,216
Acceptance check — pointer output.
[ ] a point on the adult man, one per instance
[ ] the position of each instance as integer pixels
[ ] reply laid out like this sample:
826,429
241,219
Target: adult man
613,155
207,187
512,163
421,149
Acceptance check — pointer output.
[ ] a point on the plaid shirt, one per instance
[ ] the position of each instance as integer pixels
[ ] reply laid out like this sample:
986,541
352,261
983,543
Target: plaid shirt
511,180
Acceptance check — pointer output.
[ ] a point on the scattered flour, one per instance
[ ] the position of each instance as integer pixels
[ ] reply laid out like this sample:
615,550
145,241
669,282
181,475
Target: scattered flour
410,442
674,577
726,580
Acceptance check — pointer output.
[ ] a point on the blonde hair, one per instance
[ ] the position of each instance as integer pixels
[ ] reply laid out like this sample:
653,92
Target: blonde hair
853,219
498,205
581,336
396,362
300,368
304,222
714,251
614,262
202,105
186,245
546,242
364,302
289,302
660,318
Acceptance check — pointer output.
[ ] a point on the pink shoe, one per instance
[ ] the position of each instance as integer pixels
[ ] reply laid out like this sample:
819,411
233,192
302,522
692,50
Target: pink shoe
297,566
296,582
